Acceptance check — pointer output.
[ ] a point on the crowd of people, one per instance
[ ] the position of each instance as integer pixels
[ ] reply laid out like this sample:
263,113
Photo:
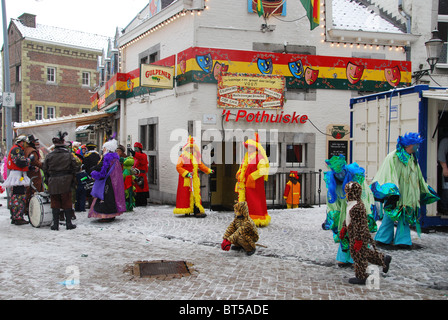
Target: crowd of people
76,178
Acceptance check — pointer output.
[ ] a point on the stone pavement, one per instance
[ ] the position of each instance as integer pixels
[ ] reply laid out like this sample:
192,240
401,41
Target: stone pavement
297,262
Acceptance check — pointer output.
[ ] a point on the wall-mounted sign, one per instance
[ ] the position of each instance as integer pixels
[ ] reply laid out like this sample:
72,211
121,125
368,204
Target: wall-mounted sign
338,137
156,76
237,90
9,99
265,117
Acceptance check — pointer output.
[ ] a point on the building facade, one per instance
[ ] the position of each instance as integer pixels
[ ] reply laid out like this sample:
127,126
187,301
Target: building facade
287,74
53,70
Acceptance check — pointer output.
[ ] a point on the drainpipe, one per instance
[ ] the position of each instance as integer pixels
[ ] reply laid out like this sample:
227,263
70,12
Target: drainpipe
405,15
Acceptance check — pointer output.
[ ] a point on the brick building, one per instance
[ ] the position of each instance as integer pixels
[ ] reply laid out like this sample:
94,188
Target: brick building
53,70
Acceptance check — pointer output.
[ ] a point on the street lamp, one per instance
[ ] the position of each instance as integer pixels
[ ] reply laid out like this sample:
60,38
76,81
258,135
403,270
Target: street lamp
433,50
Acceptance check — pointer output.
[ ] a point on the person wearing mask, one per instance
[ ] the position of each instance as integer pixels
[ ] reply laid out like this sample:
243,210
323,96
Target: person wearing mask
400,187
188,196
251,176
336,179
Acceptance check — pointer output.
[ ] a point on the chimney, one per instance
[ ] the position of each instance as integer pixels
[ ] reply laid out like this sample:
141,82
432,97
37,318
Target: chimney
28,20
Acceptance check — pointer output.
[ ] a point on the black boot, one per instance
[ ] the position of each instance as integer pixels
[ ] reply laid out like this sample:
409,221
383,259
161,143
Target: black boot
357,281
68,219
387,260
55,213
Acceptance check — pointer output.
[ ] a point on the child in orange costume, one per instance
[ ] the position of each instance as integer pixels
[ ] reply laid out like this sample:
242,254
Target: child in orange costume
188,199
252,174
292,190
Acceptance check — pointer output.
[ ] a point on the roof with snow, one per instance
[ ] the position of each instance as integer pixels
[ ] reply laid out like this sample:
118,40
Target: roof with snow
63,36
352,15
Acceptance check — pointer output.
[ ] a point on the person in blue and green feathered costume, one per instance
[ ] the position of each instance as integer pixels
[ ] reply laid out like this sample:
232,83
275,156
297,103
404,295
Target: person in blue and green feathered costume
400,187
336,178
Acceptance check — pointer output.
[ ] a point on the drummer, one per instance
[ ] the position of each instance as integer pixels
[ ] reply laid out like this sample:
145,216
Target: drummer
17,165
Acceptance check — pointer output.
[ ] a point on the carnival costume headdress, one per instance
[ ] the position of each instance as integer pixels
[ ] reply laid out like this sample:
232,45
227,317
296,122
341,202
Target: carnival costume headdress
259,153
344,173
191,150
408,139
59,139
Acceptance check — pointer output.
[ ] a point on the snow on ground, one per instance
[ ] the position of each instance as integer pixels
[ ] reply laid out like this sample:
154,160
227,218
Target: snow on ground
297,260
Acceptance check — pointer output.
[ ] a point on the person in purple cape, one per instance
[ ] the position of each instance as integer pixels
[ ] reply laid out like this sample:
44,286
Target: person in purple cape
108,188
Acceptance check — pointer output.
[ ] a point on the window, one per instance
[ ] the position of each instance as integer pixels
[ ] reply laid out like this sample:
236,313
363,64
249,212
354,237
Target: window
102,77
51,75
295,155
148,138
149,56
86,79
51,112
442,26
39,112
272,151
18,73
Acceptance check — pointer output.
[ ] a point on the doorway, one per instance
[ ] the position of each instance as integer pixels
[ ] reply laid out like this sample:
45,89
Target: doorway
442,183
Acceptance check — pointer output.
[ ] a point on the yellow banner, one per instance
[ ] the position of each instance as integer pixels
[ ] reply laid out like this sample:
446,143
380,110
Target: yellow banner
156,76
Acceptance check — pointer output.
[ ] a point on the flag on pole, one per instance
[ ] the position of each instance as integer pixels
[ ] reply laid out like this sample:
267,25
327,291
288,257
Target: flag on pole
260,10
312,8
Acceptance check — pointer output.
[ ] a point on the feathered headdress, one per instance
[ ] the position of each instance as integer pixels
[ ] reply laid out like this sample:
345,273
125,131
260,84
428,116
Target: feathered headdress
336,163
59,140
410,138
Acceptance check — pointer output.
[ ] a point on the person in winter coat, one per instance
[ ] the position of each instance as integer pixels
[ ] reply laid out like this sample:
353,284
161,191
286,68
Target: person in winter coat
60,167
362,246
252,174
188,198
292,190
242,232
91,158
18,166
141,163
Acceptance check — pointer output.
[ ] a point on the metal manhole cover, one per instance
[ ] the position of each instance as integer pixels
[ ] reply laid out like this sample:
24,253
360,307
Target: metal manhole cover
161,269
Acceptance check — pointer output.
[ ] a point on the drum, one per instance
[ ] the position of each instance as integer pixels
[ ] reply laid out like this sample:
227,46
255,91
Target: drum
40,210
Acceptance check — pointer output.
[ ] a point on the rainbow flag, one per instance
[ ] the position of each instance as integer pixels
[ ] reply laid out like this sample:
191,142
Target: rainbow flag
260,9
312,8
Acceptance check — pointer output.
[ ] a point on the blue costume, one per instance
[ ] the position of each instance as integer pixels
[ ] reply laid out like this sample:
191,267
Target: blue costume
336,179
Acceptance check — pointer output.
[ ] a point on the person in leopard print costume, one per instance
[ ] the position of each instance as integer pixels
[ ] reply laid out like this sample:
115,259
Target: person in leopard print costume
242,231
357,230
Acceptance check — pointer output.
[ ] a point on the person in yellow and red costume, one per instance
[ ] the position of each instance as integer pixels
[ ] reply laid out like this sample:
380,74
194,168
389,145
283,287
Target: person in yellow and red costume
292,190
252,174
188,199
